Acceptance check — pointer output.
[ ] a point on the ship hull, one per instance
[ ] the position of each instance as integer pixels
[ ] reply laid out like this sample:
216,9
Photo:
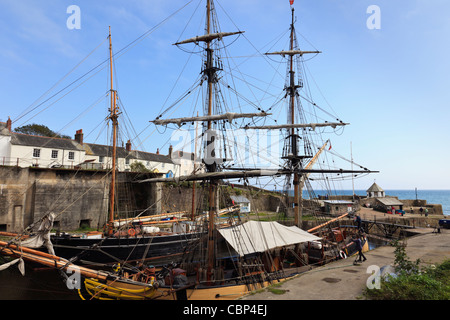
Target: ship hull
156,250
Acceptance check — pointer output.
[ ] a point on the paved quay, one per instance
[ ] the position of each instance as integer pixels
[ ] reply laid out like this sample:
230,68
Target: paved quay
341,280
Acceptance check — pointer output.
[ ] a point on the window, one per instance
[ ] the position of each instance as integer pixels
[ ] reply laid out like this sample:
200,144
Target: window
101,159
36,153
54,154
71,155
127,160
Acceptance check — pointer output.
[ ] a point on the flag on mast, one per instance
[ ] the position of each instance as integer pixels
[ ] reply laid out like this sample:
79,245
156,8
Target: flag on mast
291,2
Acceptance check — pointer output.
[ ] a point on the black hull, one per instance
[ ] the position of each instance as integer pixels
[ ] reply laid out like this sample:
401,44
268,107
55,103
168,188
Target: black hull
160,249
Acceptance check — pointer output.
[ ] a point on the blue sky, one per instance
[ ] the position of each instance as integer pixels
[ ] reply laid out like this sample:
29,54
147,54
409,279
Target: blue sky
390,84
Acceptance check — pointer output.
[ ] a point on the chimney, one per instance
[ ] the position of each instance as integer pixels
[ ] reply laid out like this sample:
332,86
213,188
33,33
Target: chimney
157,151
79,136
170,151
128,146
8,124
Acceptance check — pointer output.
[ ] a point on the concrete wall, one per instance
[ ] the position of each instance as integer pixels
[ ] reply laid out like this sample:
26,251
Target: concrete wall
76,197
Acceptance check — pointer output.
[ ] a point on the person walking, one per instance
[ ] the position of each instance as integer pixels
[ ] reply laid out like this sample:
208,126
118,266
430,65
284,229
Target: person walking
358,222
357,241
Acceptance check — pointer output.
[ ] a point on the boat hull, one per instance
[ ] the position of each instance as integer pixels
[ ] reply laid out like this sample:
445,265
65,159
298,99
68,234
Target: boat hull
154,249
110,290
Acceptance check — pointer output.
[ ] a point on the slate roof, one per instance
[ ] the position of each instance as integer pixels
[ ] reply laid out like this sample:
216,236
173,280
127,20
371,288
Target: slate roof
390,201
89,148
375,188
239,199
104,151
44,142
344,202
147,156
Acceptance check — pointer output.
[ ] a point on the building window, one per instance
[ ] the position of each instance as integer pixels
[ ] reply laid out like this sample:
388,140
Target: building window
36,153
127,160
163,165
101,159
71,155
54,154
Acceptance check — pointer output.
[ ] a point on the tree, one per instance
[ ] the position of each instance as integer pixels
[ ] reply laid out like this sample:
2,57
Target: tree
39,130
138,167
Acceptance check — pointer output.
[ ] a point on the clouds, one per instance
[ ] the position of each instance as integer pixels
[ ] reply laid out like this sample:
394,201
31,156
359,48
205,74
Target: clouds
34,23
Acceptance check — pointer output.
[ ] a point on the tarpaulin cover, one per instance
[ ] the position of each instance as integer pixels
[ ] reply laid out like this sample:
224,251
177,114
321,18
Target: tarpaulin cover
260,236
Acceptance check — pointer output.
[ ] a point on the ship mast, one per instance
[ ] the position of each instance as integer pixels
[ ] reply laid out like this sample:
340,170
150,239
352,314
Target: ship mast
292,90
113,117
210,72
295,162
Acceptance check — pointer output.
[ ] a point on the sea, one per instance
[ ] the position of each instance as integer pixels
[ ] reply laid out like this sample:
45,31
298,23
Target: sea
441,197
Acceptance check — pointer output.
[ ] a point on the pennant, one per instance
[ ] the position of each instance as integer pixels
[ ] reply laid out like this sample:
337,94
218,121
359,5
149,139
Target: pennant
329,148
291,2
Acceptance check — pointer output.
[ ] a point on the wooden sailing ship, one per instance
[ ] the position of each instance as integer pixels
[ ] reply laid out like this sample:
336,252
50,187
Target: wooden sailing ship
216,262
232,261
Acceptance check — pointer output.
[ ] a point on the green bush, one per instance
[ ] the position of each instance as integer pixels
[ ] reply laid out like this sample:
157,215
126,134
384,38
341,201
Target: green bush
413,282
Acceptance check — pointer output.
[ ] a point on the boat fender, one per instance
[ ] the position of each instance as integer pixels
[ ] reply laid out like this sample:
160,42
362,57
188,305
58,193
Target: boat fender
131,232
342,255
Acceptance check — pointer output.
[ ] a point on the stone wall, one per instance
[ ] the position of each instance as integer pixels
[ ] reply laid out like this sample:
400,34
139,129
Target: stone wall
77,197
179,198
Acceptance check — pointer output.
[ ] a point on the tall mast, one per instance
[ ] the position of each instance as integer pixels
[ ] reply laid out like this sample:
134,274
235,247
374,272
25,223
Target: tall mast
295,162
210,72
193,183
293,157
210,158
113,116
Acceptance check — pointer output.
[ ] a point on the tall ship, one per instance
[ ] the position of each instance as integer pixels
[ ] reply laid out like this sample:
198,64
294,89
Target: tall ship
215,258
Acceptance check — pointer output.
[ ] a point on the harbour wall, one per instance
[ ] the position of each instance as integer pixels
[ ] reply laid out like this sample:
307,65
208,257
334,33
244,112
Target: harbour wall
78,198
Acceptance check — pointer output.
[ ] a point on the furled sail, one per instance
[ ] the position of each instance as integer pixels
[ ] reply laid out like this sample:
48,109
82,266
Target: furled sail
218,175
299,125
226,116
209,37
249,174
291,52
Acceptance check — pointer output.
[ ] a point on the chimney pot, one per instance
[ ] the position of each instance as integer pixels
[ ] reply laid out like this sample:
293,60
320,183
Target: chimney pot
79,136
8,124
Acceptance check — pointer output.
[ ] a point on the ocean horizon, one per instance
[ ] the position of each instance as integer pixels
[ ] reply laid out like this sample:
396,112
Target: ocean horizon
435,196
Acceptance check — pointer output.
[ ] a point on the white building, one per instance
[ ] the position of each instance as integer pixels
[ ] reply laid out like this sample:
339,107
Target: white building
375,191
242,202
25,150
187,162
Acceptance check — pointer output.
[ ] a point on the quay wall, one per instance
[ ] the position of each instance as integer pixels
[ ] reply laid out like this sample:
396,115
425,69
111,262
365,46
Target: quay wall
78,198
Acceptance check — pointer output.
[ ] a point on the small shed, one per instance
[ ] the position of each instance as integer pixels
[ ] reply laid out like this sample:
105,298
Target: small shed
375,191
389,203
335,207
242,202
